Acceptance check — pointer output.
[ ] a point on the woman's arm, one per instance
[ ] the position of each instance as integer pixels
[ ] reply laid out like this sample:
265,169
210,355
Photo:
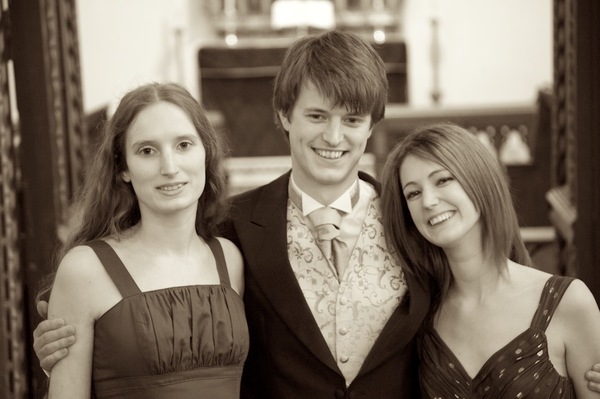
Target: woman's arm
74,299
580,325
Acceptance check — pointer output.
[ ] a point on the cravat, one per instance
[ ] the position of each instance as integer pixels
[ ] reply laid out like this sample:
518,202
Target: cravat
327,227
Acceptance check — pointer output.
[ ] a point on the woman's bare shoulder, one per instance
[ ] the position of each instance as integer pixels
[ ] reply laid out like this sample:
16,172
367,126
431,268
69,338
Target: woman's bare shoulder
81,283
578,301
79,262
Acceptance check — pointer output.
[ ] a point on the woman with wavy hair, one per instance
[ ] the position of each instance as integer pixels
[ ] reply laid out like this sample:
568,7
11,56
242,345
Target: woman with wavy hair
153,293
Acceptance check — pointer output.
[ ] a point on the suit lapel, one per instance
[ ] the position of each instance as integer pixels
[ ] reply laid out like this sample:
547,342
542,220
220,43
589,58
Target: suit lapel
265,250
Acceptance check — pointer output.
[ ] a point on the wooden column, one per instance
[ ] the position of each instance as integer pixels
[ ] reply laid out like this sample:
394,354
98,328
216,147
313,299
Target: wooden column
13,376
575,197
49,99
587,142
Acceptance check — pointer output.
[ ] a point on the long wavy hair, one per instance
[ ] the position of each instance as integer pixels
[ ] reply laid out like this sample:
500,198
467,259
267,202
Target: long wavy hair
107,206
483,179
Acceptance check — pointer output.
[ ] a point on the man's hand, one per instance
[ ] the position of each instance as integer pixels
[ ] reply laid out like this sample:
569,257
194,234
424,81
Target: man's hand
593,378
51,338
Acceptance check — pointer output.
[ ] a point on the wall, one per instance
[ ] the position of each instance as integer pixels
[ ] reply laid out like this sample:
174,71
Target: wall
124,43
492,51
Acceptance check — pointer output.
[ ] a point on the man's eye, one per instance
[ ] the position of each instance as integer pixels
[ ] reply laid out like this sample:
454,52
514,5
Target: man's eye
355,121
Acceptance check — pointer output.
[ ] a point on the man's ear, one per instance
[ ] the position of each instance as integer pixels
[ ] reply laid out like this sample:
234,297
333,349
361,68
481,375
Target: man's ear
371,131
125,177
285,122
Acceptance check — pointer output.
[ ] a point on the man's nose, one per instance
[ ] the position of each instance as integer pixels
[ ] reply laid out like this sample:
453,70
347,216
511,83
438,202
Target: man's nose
333,134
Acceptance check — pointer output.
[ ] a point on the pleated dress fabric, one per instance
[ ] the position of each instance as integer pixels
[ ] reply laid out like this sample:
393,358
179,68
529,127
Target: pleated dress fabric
180,342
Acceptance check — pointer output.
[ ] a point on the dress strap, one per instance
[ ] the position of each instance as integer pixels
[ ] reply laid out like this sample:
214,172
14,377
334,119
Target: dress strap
115,268
552,293
217,250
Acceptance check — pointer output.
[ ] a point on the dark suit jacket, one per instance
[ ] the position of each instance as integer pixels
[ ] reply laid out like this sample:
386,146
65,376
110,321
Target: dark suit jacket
289,358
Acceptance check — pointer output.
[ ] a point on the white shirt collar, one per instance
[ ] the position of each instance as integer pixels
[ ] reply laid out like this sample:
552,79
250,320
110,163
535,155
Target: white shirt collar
309,204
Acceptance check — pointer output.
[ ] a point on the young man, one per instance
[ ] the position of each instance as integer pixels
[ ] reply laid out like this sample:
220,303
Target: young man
319,328
316,331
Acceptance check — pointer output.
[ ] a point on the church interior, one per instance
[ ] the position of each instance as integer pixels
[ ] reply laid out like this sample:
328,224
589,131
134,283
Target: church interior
522,76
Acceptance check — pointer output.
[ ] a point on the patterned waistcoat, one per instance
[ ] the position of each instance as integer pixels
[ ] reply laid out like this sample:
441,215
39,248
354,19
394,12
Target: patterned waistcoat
350,312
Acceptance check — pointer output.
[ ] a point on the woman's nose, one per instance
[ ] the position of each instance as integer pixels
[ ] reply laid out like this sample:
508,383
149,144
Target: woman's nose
430,198
168,165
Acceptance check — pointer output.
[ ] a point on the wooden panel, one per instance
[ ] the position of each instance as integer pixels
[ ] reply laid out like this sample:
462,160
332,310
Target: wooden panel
237,82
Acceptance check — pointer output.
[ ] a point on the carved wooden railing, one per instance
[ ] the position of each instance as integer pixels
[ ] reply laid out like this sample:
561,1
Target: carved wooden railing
563,193
529,180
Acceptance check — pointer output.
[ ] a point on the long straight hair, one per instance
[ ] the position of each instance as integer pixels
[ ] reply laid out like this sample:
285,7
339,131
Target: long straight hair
483,179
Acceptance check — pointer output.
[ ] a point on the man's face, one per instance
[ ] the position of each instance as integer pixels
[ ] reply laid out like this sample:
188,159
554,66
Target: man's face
326,143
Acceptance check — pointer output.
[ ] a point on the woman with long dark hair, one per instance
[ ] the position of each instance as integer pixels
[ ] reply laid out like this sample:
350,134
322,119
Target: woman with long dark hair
154,295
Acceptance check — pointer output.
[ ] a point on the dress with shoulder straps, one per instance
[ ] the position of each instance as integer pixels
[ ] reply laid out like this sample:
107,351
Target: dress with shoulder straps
520,369
178,342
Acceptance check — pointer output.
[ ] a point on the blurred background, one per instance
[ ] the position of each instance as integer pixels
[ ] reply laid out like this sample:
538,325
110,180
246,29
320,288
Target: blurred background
521,75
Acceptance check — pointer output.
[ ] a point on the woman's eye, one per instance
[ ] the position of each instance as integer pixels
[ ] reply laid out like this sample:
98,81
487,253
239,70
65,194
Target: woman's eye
411,194
146,151
445,180
185,144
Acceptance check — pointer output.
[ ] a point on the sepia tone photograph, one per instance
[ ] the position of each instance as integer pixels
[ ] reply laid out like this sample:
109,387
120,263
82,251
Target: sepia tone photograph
292,199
